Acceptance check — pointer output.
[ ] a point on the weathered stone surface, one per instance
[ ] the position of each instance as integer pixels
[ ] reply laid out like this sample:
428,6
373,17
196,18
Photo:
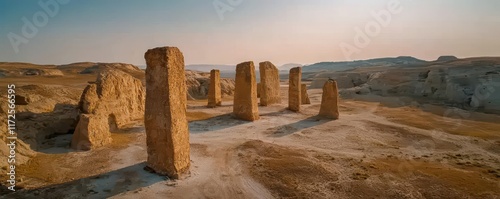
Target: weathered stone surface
117,99
269,84
214,91
330,101
165,118
245,95
92,131
294,94
305,97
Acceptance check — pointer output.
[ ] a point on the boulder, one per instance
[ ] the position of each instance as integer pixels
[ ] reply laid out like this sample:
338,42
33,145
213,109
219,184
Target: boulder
117,99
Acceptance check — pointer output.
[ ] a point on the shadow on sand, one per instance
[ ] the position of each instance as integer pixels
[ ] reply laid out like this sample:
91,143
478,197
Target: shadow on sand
214,124
288,129
100,186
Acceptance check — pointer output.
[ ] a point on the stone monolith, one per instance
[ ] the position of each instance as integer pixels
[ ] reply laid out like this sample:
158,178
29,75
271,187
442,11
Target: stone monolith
245,93
304,95
165,116
294,96
330,101
269,84
214,90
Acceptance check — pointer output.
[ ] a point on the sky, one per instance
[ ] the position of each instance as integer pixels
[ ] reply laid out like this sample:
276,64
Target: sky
234,31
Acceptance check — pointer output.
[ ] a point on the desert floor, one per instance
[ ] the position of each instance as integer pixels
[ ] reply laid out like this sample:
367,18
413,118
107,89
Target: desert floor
375,150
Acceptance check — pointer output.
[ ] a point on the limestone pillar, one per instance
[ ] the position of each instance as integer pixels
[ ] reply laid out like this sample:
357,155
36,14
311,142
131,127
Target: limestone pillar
245,93
294,96
165,115
304,95
269,84
330,101
214,91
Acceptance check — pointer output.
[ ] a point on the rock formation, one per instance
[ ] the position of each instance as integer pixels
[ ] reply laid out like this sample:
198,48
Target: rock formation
304,96
245,94
214,91
330,101
165,116
294,95
269,84
198,84
113,101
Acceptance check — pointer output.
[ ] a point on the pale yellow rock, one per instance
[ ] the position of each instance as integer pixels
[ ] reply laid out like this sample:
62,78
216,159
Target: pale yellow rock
116,98
330,101
304,95
245,94
214,91
269,84
165,118
294,89
92,131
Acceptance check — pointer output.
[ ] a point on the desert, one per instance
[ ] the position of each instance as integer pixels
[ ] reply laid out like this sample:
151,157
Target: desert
388,142
239,99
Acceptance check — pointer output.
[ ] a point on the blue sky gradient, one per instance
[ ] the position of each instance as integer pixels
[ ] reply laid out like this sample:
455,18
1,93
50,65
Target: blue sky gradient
281,31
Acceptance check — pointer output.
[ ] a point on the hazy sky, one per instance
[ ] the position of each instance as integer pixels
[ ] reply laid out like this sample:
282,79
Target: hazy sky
281,31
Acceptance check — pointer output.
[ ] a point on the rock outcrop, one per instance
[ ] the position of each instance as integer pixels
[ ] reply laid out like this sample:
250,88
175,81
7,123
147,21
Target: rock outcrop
198,85
447,58
269,84
294,87
303,93
245,95
330,101
165,118
113,101
214,92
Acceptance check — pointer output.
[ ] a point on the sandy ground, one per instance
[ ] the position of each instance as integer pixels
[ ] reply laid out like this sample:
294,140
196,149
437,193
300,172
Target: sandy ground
372,151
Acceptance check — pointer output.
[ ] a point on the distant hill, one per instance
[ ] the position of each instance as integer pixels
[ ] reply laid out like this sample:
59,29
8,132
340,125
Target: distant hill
209,67
349,65
287,67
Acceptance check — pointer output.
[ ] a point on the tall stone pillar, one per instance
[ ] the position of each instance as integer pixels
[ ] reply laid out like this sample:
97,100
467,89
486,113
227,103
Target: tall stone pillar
269,84
294,96
214,91
165,115
304,95
330,101
245,93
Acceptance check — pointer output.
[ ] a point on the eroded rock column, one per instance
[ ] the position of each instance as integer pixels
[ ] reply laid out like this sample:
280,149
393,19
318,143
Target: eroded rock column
245,93
214,91
330,101
165,116
304,95
294,95
269,84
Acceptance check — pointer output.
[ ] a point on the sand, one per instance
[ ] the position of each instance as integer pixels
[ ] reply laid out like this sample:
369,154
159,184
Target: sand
372,151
